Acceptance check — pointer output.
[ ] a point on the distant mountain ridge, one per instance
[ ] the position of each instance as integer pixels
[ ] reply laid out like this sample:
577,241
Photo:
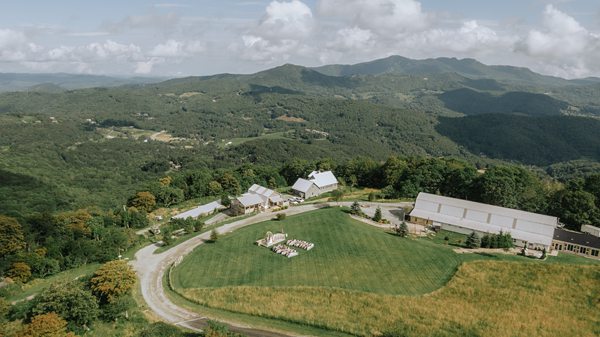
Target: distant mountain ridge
466,67
57,81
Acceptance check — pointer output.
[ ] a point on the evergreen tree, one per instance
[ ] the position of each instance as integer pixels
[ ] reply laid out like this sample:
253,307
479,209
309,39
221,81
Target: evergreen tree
355,208
472,240
402,229
485,241
377,217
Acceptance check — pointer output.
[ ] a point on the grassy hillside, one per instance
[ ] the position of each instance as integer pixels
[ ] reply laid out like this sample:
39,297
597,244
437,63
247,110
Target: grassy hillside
361,280
529,299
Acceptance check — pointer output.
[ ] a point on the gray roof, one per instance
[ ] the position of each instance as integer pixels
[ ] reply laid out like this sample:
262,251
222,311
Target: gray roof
250,199
322,178
276,198
198,211
302,185
257,189
525,226
578,238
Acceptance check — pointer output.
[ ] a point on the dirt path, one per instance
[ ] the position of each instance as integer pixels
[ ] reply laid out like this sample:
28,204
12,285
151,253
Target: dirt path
151,268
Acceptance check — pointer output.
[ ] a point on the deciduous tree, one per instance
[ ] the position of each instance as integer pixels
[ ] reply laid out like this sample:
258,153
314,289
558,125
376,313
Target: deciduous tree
19,271
112,280
145,201
46,325
11,236
214,235
70,301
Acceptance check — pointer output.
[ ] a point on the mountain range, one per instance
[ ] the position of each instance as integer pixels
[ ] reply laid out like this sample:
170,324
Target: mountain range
61,137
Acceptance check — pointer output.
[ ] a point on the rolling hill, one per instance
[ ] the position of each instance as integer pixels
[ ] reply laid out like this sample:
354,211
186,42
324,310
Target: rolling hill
95,143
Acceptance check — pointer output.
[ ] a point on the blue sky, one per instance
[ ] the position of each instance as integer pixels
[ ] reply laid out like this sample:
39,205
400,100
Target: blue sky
185,37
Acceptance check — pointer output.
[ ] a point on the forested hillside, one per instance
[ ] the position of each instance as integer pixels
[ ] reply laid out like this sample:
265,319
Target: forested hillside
61,149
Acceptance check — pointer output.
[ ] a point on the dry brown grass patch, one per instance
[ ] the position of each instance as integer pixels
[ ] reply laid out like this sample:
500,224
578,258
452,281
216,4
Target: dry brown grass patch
486,298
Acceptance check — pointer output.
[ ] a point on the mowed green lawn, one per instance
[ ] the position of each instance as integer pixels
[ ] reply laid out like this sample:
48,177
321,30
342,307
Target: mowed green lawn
348,254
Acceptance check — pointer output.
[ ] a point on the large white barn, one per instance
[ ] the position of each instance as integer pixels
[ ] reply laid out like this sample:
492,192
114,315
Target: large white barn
464,216
317,183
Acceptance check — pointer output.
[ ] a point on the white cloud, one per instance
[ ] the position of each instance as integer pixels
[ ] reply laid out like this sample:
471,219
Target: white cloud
176,49
281,33
470,38
14,46
96,51
146,67
562,46
354,38
384,17
171,48
334,31
287,19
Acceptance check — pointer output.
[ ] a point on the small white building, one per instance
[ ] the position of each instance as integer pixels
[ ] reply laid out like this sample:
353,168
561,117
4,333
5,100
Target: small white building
316,184
257,199
200,211
463,216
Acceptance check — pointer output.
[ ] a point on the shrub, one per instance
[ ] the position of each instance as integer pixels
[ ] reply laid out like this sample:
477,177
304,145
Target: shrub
281,216
214,235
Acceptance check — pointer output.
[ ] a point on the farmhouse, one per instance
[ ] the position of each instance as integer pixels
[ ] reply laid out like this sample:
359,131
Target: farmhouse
579,243
201,210
316,184
464,216
257,199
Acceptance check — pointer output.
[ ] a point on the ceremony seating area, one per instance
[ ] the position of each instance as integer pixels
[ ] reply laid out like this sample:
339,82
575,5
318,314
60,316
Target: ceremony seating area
273,241
285,251
300,244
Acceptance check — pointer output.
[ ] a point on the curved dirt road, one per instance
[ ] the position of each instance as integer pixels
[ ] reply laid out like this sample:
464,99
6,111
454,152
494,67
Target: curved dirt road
151,268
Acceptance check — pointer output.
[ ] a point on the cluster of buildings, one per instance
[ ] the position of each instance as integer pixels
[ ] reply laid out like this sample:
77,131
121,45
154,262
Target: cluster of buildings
536,231
260,199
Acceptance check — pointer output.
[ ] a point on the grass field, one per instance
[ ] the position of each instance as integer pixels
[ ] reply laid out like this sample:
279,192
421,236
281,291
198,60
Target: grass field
348,254
238,141
485,298
357,278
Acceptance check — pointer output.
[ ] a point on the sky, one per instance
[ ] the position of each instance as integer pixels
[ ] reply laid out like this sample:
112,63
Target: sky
187,37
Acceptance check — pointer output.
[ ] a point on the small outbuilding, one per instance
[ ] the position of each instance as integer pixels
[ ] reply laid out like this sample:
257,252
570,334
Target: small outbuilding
200,211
